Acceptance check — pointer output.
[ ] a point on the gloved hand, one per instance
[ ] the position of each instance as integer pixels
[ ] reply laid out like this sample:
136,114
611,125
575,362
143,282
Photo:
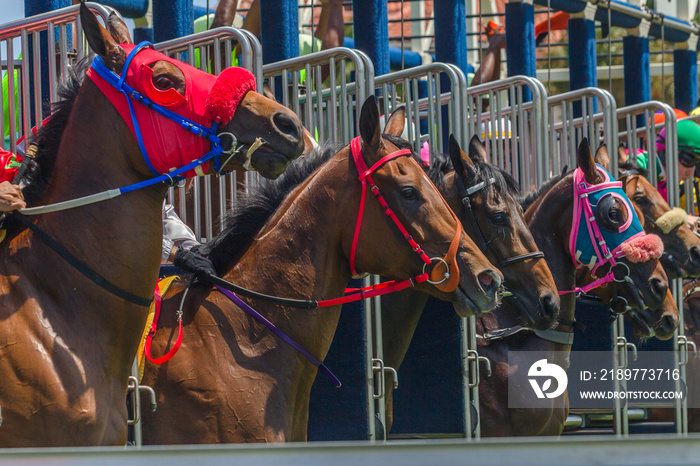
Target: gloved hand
192,261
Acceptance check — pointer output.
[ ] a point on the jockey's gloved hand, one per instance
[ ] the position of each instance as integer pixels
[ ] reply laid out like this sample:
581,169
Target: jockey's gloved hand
193,261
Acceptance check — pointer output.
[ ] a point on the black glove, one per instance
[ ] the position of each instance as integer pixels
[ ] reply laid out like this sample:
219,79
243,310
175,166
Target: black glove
192,261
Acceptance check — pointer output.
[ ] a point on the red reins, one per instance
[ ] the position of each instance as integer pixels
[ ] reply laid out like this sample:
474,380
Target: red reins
440,276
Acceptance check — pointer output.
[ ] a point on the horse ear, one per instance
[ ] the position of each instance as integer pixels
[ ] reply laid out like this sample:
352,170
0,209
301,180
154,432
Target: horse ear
101,41
477,149
396,122
622,155
602,157
267,92
586,163
369,122
118,29
461,162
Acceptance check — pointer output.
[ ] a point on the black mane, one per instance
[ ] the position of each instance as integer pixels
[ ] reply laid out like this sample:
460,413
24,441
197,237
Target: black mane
530,198
255,208
48,140
631,168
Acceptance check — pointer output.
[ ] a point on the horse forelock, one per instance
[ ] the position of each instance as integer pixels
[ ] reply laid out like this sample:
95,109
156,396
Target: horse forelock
255,208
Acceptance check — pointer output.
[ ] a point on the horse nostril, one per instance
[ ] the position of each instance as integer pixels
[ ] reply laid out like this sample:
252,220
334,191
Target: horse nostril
287,125
490,282
658,288
695,255
668,324
548,307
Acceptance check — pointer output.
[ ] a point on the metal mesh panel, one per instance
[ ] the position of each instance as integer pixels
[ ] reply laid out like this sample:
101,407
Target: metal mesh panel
49,44
326,89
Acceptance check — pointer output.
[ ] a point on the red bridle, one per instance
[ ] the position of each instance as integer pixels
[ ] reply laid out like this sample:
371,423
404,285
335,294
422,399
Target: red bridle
440,276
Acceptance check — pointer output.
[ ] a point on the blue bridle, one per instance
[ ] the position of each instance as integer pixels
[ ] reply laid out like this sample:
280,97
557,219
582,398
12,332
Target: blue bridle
171,177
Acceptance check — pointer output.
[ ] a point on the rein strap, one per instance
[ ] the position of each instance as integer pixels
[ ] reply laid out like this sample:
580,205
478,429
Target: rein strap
82,267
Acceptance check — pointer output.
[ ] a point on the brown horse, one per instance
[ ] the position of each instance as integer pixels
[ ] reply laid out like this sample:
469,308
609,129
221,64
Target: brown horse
233,380
493,216
681,256
691,322
555,199
66,344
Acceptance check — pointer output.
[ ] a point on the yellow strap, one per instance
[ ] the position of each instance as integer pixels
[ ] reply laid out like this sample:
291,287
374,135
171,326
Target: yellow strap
163,285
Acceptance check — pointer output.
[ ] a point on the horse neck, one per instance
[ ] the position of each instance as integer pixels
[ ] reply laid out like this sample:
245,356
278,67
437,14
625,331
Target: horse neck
299,254
555,207
119,238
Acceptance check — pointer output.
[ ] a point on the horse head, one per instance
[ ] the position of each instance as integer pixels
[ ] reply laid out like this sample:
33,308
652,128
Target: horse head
681,257
486,200
459,272
252,131
638,285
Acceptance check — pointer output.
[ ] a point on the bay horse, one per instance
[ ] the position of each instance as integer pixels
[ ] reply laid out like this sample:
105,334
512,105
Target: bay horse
660,318
66,344
681,257
232,380
691,322
485,198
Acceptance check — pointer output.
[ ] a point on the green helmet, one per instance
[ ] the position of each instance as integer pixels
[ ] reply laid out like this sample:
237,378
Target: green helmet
688,136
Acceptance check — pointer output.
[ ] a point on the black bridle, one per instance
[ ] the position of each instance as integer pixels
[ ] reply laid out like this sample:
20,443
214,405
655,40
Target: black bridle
485,244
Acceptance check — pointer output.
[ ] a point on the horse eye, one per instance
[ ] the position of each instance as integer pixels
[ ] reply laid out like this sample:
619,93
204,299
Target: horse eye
164,83
614,215
641,201
409,193
499,218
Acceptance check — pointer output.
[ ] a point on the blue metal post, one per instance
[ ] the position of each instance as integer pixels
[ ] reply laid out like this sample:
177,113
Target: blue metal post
279,22
451,33
450,44
636,63
583,59
520,40
371,31
172,19
685,76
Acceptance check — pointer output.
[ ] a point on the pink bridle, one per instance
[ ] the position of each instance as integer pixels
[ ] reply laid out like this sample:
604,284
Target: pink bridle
440,275
603,255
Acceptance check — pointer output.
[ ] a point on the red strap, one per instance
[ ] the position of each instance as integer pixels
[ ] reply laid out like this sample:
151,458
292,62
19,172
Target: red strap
365,177
376,290
152,332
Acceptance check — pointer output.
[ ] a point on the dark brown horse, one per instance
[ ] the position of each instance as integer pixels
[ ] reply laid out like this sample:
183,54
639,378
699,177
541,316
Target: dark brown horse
66,344
660,318
493,216
233,380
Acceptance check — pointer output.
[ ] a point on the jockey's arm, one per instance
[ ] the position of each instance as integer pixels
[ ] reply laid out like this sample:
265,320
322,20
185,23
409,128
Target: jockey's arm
175,234
180,246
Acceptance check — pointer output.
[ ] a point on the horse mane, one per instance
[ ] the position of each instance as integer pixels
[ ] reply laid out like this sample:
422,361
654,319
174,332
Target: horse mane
441,165
253,209
48,139
631,168
530,198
